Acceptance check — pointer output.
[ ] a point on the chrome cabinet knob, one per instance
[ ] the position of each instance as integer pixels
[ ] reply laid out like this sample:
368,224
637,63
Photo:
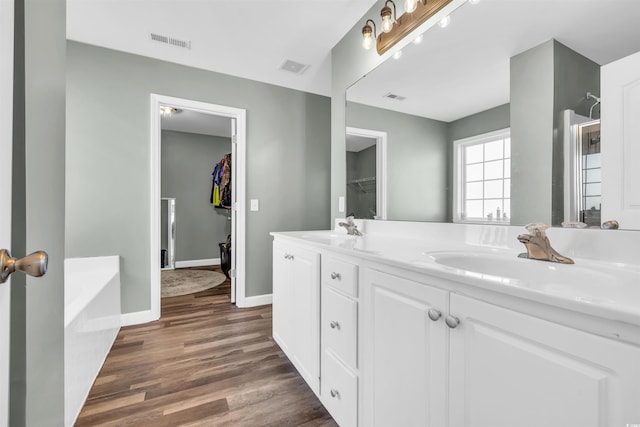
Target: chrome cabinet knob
335,276
434,314
334,325
452,321
288,256
34,264
335,393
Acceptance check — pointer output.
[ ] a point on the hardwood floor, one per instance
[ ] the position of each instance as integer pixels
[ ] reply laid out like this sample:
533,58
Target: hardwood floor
204,363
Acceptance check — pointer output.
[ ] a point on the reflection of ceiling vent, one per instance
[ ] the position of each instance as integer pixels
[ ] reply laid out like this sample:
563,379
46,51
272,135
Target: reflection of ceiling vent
185,44
394,96
294,67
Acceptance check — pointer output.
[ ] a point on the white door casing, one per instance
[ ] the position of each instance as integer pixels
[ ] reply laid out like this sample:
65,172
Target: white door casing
620,131
381,166
238,192
6,137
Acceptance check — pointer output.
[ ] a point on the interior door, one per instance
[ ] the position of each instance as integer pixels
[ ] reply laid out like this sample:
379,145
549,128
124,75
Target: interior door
6,134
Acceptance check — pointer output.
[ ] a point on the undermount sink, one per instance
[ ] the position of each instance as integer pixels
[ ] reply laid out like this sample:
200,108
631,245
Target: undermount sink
555,278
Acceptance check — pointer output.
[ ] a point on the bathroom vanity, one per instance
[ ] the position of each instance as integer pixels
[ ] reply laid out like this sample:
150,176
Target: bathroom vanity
423,324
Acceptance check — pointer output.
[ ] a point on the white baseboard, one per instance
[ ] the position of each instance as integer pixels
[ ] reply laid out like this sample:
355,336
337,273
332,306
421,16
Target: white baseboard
198,263
137,318
256,301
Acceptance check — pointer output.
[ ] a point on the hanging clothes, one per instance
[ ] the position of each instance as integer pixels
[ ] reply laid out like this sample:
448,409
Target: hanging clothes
221,188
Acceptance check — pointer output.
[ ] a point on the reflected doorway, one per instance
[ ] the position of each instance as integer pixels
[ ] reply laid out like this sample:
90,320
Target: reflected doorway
366,173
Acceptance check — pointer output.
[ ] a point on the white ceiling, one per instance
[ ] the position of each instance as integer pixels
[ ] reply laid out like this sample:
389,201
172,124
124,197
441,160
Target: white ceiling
197,122
357,143
244,38
464,68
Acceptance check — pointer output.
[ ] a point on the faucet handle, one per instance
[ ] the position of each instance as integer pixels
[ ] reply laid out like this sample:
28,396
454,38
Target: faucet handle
536,227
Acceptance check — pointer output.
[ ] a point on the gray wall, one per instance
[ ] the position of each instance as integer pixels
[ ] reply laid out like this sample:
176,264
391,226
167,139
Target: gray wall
288,155
417,167
361,199
532,115
187,161
37,304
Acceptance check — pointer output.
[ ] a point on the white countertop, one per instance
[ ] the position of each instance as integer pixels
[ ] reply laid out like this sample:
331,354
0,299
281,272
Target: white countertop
607,289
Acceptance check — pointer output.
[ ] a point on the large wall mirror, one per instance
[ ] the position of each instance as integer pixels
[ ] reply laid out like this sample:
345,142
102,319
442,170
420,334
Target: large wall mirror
496,118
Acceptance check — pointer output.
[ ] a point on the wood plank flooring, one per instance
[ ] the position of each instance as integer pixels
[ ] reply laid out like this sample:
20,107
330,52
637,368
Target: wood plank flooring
204,363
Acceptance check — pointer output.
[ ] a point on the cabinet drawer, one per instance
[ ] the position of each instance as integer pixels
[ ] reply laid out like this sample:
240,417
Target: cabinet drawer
339,316
339,391
341,275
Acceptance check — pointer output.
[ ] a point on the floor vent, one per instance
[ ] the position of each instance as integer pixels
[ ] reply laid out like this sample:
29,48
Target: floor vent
185,44
294,67
395,97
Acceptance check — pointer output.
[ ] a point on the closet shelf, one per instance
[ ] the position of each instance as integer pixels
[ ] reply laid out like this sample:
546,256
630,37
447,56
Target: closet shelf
366,185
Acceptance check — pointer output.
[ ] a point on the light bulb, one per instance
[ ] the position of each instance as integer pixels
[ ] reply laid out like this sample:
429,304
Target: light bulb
444,22
397,54
367,41
411,5
387,24
418,39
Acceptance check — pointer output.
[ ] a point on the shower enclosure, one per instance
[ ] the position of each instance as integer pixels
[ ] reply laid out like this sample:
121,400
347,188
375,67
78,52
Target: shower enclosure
583,194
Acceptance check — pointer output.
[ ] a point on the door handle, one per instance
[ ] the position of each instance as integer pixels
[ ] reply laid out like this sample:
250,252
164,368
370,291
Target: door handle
34,264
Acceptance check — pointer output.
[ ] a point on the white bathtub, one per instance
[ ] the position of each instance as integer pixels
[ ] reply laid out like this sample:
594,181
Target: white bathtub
91,322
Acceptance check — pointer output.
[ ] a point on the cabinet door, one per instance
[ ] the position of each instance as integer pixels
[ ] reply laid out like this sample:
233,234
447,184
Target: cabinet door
283,299
404,352
306,317
509,369
296,301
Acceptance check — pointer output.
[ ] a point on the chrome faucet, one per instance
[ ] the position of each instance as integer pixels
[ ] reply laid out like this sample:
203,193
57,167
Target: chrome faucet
538,245
352,228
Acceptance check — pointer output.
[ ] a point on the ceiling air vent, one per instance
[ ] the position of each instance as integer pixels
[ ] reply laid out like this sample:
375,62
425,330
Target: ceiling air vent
185,44
294,67
395,97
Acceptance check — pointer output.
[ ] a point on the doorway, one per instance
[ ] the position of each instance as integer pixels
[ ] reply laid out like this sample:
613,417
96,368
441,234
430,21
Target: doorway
366,173
238,190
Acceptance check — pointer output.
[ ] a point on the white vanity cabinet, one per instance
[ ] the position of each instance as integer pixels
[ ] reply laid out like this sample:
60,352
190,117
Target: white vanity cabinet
435,358
296,308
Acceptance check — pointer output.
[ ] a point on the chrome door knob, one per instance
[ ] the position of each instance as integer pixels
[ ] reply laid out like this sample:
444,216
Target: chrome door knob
452,321
334,325
434,314
335,276
335,393
34,264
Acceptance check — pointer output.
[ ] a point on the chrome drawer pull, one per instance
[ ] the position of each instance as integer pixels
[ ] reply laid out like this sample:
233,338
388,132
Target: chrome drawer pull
452,321
336,276
334,325
335,393
434,314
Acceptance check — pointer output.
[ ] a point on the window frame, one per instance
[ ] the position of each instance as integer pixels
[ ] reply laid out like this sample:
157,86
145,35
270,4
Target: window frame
458,171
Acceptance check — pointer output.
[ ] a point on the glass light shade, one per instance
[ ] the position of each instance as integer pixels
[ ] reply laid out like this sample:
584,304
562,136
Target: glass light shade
397,54
418,39
411,5
367,41
387,24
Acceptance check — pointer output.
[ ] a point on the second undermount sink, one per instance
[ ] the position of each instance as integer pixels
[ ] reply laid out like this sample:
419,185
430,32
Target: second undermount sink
593,281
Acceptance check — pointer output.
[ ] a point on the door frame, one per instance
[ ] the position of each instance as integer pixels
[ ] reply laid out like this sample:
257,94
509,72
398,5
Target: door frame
6,143
381,166
238,191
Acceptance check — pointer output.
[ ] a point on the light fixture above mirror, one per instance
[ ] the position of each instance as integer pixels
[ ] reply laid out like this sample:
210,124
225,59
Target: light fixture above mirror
395,29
